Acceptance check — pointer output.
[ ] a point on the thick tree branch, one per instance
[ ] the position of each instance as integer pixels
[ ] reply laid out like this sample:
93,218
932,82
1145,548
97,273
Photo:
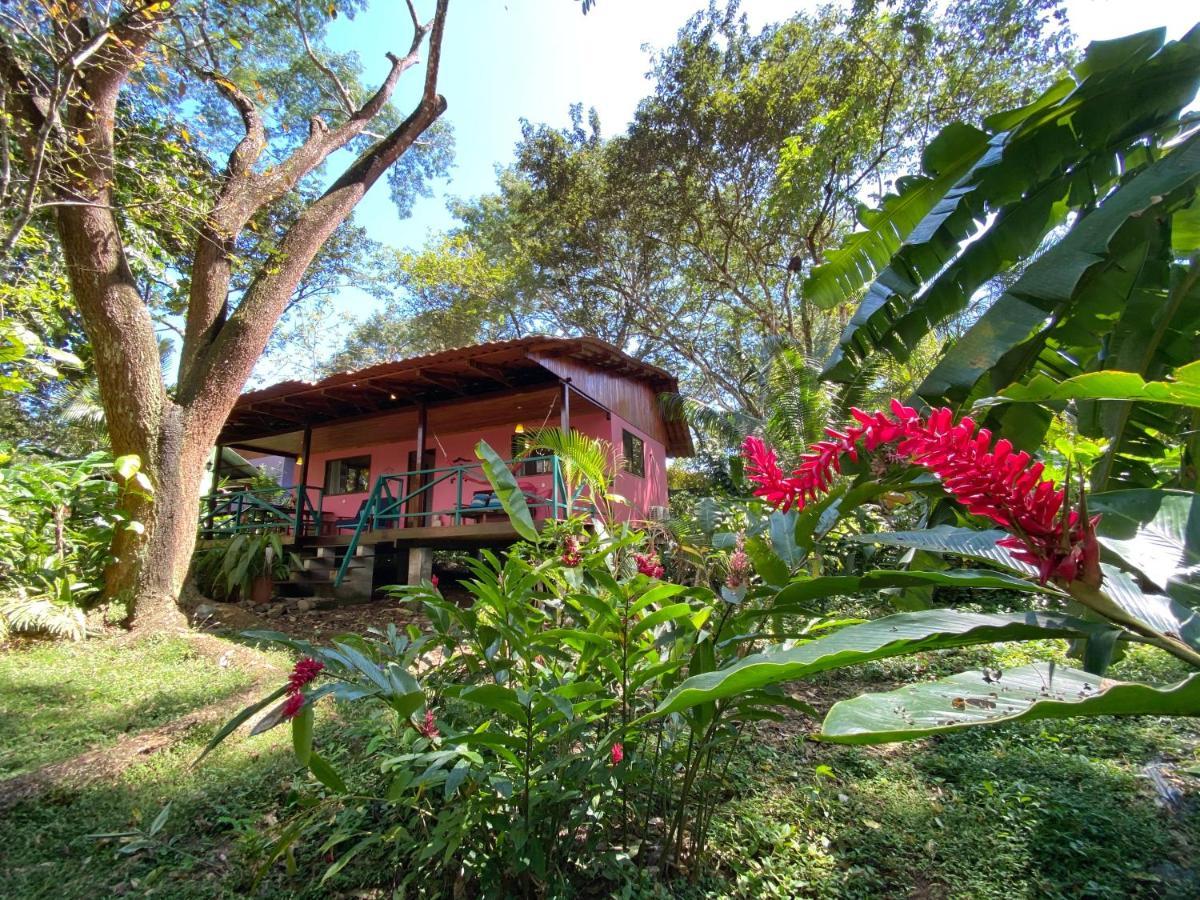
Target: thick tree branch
237,345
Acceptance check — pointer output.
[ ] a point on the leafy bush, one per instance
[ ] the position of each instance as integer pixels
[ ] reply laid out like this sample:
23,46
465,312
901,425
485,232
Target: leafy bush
57,522
517,753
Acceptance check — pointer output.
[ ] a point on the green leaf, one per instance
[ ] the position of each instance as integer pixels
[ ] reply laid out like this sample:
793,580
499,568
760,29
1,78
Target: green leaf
493,696
847,269
1030,692
233,724
968,542
1156,532
302,734
898,635
1182,390
127,466
326,774
508,492
804,589
1046,288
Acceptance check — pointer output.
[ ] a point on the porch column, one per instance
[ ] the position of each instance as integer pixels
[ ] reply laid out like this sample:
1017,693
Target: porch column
564,413
422,423
302,487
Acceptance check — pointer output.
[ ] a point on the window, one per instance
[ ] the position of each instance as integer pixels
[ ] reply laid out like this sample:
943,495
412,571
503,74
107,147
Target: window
633,449
520,446
351,475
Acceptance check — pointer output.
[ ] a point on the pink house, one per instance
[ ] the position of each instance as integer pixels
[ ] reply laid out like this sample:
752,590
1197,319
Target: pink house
386,455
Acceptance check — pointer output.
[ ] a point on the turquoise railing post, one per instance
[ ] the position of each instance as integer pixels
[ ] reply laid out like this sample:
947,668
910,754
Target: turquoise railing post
367,514
554,480
301,496
458,498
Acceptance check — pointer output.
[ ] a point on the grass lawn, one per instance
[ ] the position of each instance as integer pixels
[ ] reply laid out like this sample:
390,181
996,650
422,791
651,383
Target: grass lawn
58,700
1042,810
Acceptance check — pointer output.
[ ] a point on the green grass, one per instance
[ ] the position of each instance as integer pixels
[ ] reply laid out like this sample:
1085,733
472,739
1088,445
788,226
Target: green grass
1055,809
59,700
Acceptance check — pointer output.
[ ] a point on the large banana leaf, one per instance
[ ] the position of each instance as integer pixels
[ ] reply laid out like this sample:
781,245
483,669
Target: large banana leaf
796,594
847,269
898,635
1156,532
1182,390
1061,153
1047,290
968,542
977,698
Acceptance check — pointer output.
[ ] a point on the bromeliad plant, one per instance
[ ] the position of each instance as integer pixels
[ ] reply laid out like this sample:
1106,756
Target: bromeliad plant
1045,546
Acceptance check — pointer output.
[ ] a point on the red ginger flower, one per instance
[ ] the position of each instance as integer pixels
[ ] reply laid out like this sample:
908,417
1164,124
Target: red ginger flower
993,482
428,727
293,705
304,671
649,564
739,565
571,555
618,753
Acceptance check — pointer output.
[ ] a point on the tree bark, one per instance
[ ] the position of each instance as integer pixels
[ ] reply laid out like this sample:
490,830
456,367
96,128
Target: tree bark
173,432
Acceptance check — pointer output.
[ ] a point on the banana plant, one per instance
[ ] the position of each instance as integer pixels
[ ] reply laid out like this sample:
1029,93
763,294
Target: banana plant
1079,213
1089,572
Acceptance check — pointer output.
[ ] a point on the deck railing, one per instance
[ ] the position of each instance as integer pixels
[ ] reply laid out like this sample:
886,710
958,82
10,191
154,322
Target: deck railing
224,513
393,498
396,500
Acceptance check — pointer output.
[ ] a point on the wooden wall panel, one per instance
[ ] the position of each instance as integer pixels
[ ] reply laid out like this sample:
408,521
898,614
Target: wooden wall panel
634,401
365,432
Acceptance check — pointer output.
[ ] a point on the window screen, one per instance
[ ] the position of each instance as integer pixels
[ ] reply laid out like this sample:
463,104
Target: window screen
633,449
520,445
351,475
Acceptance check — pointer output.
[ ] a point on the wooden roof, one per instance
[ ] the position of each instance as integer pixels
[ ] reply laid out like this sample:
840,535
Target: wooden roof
444,377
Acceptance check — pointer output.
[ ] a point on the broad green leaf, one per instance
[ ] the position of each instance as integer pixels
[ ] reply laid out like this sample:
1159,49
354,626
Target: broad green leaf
968,542
1156,532
1182,390
804,589
325,773
494,696
847,269
233,724
302,734
508,492
898,635
1030,692
1046,288
1163,614
127,466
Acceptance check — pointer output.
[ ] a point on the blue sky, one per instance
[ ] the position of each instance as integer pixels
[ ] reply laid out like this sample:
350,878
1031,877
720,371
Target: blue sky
508,59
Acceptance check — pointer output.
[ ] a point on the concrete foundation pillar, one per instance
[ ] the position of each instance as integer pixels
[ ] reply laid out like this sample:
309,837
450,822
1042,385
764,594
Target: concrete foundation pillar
420,564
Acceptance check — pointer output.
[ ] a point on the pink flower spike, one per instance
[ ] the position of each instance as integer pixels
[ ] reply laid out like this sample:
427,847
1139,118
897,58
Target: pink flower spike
618,753
993,482
428,728
433,580
292,706
303,672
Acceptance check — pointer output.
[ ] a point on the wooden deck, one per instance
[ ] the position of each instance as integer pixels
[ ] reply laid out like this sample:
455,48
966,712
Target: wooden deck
439,537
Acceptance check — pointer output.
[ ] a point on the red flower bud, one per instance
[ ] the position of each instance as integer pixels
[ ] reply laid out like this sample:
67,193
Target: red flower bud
618,753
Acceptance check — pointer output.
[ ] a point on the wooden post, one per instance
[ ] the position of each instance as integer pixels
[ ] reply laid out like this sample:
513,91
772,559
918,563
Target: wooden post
302,486
565,424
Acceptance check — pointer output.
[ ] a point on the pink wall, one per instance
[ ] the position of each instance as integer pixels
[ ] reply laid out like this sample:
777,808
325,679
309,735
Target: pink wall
392,458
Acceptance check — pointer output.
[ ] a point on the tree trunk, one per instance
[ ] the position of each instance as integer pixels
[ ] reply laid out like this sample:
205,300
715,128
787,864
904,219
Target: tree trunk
152,569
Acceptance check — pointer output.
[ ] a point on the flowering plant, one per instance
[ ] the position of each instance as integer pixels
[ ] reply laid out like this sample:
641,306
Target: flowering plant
991,481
